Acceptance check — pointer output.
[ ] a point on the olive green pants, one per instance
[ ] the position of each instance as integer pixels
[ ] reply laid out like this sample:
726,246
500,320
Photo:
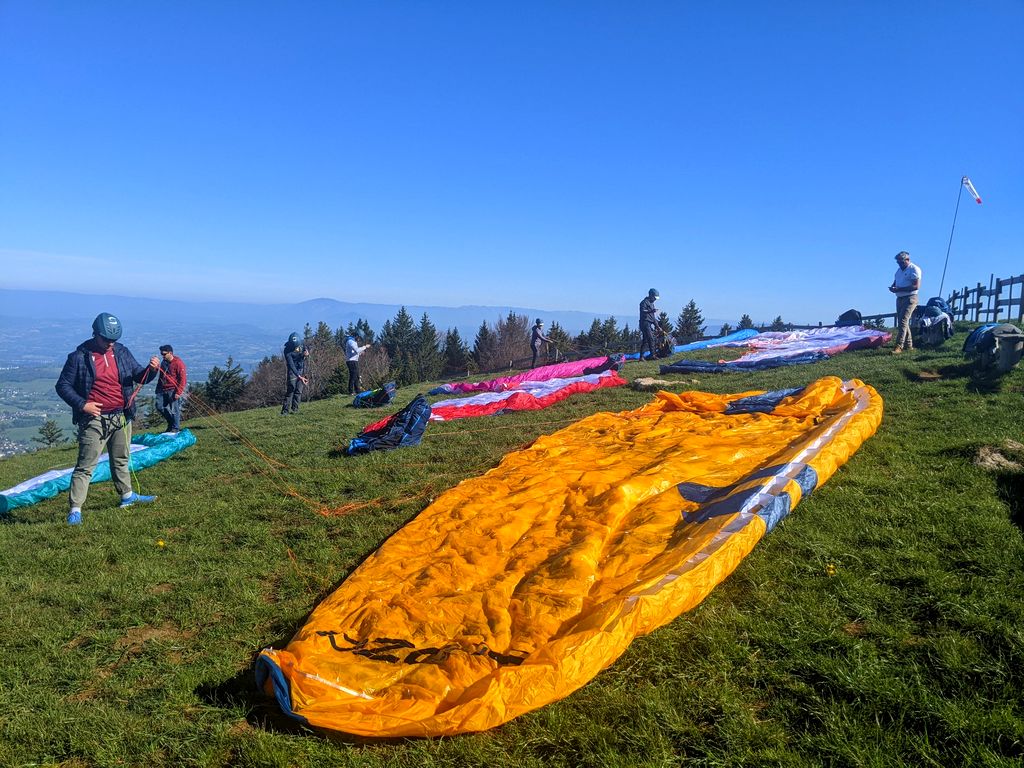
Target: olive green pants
94,434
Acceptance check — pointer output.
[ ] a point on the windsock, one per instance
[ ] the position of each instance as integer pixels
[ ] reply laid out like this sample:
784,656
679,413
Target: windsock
970,188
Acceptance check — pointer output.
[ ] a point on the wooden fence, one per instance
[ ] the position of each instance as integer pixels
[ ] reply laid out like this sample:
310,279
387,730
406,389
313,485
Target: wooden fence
978,304
981,304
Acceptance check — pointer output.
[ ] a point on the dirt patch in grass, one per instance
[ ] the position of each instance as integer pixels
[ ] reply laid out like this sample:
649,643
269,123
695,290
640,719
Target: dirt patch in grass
648,384
1006,457
136,637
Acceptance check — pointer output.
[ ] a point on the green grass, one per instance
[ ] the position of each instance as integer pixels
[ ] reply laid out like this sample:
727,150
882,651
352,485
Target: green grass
881,624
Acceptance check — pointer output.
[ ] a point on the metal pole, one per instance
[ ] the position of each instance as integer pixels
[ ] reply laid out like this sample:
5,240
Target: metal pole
959,192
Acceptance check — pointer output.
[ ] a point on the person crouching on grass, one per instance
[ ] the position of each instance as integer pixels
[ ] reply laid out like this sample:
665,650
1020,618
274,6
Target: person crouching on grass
98,382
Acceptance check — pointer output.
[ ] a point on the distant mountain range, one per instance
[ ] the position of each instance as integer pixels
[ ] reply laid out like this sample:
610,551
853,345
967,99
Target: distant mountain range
41,327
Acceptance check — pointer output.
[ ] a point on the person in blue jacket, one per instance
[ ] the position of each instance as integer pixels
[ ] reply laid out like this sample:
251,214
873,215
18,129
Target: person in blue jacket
99,381
295,355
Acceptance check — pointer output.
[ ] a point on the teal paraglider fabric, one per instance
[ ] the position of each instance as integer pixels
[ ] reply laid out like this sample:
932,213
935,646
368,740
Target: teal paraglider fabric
146,451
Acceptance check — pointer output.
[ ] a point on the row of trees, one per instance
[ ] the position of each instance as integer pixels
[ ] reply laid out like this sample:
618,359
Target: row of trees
408,352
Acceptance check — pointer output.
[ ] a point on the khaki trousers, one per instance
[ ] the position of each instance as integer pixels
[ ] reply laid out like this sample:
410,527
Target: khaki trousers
904,309
115,435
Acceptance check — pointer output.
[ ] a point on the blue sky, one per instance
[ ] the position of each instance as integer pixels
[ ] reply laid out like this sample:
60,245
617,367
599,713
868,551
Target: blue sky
767,158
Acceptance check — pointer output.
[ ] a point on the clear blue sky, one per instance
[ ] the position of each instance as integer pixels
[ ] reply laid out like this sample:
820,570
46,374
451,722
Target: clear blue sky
767,158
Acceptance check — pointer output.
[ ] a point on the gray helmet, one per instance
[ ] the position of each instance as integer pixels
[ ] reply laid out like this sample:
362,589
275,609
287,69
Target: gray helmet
653,294
107,326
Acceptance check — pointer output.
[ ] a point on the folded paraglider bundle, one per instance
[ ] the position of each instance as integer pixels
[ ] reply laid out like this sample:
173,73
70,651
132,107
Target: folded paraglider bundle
375,398
932,323
400,430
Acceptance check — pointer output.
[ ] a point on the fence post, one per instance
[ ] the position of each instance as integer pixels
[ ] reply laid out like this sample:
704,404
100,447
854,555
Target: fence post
1020,305
993,311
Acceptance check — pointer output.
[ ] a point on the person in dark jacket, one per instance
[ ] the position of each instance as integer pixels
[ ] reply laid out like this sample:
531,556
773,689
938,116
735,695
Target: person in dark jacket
99,381
295,360
170,388
648,323
537,337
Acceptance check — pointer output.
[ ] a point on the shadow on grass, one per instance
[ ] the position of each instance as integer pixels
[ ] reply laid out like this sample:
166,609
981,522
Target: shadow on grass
1010,487
980,381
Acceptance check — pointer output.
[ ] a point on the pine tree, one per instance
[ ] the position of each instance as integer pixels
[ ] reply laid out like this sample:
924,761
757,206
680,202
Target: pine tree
457,358
590,341
50,434
725,330
323,337
513,338
630,339
778,324
224,386
485,348
690,324
745,322
610,335
560,340
360,328
398,337
665,323
427,360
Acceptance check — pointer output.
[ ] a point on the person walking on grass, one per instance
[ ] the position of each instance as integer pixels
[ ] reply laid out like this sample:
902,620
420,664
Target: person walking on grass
295,355
537,337
353,349
170,388
99,381
648,324
905,285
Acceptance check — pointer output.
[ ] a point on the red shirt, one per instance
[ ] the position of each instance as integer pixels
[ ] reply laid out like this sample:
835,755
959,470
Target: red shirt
172,376
107,388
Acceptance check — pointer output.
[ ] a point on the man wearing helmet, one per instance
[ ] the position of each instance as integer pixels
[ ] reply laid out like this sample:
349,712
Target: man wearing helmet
295,361
535,340
648,323
99,382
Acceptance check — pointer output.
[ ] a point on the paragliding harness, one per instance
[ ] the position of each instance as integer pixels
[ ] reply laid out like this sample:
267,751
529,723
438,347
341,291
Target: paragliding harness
985,345
932,323
400,430
375,398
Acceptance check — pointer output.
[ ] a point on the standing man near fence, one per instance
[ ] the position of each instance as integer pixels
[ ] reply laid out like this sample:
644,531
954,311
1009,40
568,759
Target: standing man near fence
170,388
99,382
905,285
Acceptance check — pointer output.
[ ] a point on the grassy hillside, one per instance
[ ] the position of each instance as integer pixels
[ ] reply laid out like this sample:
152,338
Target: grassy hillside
881,624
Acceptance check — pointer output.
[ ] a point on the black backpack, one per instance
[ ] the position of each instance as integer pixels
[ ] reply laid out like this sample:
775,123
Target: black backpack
850,317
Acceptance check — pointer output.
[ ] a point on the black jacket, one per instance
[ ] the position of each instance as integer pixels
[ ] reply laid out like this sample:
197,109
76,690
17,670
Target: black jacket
78,376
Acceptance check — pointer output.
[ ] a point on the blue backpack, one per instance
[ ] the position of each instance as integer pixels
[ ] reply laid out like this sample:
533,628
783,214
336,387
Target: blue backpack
401,430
